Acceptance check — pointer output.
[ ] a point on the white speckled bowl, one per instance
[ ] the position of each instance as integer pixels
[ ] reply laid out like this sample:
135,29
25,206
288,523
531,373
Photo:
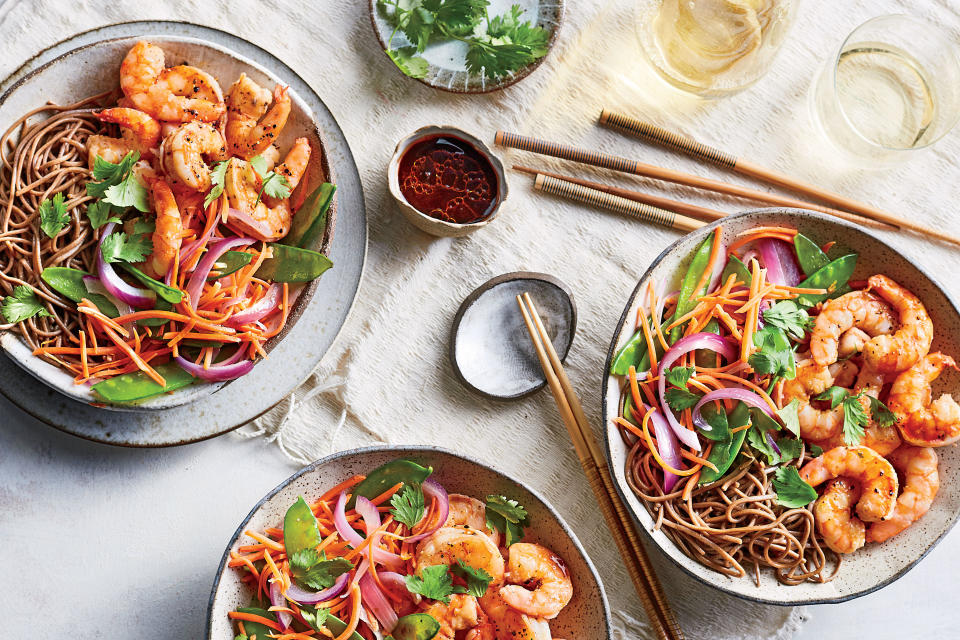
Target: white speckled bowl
587,615
874,566
94,68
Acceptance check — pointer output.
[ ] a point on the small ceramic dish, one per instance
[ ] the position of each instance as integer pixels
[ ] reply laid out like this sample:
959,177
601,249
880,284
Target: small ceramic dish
875,565
421,220
490,348
446,60
587,615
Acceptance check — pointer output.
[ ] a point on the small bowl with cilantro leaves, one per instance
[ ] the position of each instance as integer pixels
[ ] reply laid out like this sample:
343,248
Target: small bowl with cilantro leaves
405,543
722,353
466,46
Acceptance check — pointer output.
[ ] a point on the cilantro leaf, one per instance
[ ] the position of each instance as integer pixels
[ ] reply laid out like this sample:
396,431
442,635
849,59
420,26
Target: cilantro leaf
112,173
418,27
833,395
790,415
792,491
508,26
315,616
760,436
680,399
775,355
412,65
855,418
118,184
435,583
21,305
408,505
315,571
240,636
217,178
129,192
459,15
789,317
119,247
497,59
718,427
816,450
881,414
259,164
789,448
53,215
276,186
679,376
477,579
507,516
100,213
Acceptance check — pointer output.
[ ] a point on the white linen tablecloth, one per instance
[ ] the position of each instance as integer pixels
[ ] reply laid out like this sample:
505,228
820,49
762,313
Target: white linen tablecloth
387,379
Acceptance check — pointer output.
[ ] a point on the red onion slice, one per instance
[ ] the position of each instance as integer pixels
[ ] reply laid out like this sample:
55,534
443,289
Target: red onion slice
779,261
277,600
378,604
668,448
432,489
750,398
710,341
302,596
371,520
263,307
216,372
214,251
115,285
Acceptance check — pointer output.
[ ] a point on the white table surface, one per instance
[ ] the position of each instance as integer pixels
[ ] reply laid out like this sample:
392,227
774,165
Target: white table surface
104,542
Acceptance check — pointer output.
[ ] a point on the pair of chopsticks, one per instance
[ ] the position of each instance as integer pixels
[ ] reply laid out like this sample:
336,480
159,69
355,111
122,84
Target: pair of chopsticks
594,466
682,216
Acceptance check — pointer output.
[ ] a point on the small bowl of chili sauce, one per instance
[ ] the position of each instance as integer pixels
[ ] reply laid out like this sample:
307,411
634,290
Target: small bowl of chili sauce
446,181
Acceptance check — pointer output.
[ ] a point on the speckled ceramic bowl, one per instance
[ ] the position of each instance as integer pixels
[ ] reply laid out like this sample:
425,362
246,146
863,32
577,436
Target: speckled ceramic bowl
587,615
94,68
874,566
432,225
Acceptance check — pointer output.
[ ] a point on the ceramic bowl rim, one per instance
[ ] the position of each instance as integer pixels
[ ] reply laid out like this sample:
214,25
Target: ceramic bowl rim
484,288
702,233
402,450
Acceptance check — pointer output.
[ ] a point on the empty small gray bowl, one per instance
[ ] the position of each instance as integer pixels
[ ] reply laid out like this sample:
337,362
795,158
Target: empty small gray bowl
490,348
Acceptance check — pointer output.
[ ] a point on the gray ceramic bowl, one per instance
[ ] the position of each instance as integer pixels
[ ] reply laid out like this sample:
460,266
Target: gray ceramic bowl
94,68
587,615
874,566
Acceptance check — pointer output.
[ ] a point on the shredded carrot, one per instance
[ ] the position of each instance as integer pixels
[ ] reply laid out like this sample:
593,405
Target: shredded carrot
656,454
135,357
343,486
83,354
691,483
252,617
354,595
714,252
750,238
647,336
761,230
267,542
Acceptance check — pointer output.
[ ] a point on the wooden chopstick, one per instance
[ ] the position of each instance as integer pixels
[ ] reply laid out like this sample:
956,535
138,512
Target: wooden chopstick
594,466
638,210
673,140
684,208
634,167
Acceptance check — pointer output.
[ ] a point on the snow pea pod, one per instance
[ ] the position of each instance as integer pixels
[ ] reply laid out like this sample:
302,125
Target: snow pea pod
416,626
688,297
131,387
69,283
293,264
387,475
834,276
634,352
168,293
311,219
162,305
231,261
336,626
255,628
725,452
809,255
300,529
735,266
717,420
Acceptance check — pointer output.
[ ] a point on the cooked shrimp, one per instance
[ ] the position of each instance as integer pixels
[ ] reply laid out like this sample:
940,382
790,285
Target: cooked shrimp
840,529
110,149
918,467
470,512
883,440
257,216
179,94
140,131
498,621
852,342
812,379
844,373
252,124
169,230
183,154
539,584
462,613
922,422
911,342
449,544
859,309
864,466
